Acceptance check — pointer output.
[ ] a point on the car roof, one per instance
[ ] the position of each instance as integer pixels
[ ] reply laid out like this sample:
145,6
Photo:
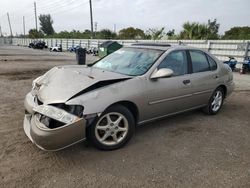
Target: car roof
161,46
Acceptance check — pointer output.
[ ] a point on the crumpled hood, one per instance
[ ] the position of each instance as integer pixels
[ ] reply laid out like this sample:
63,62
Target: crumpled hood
62,83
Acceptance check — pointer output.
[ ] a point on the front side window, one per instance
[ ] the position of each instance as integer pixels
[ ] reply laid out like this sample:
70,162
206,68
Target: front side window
176,61
129,61
199,61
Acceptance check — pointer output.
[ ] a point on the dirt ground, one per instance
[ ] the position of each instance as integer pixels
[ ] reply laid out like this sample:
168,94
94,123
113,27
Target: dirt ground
188,150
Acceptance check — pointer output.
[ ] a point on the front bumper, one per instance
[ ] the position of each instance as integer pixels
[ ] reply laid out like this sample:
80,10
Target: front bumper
46,138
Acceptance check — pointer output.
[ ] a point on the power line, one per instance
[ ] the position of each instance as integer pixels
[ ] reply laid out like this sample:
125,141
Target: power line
54,4
52,7
60,7
62,11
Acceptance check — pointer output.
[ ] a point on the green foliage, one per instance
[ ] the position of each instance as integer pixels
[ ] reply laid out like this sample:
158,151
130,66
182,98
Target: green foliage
46,24
105,34
191,30
73,34
171,34
156,34
33,33
213,29
131,33
198,31
237,33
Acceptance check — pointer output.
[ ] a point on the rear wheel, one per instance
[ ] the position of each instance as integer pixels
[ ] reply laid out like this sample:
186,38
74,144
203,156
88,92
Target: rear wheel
215,102
113,129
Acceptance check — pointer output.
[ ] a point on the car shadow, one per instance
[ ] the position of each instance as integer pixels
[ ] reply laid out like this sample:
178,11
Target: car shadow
174,125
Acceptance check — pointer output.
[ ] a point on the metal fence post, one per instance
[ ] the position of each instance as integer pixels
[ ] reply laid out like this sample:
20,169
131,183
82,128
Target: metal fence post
73,43
61,43
247,48
67,44
88,43
208,45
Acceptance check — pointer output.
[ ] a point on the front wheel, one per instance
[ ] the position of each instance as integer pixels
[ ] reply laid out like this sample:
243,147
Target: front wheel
113,129
215,103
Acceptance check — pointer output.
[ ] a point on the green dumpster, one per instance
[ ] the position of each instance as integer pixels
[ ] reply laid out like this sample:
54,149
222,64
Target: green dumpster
108,47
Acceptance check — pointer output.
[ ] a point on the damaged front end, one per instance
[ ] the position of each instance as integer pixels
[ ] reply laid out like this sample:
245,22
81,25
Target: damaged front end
53,127
53,120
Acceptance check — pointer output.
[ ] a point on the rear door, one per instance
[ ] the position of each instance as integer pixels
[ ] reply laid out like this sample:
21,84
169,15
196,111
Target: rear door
204,77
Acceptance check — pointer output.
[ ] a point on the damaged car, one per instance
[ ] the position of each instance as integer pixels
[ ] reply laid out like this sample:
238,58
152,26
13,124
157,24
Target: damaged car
135,85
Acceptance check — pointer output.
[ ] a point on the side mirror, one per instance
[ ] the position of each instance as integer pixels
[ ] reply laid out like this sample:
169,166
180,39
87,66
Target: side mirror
162,73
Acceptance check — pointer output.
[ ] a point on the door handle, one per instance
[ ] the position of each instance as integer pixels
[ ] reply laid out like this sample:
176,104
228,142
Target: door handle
186,82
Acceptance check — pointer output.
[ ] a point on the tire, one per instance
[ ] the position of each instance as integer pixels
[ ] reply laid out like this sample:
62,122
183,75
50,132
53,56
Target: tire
215,102
113,129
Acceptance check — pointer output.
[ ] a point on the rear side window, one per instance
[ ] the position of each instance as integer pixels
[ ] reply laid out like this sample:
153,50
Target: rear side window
199,61
212,63
176,61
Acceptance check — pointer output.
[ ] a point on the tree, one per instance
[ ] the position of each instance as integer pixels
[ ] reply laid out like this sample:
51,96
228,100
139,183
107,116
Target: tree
237,33
46,24
131,33
33,33
106,34
198,31
156,34
171,34
213,28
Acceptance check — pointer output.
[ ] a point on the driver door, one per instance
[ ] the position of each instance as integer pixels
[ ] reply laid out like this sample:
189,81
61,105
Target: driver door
172,94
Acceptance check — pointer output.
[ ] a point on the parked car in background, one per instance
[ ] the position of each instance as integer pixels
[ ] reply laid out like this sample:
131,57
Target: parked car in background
231,62
73,48
246,65
56,48
132,86
38,45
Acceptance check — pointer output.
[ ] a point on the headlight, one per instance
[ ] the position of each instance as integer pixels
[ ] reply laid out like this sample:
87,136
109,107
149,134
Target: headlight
56,113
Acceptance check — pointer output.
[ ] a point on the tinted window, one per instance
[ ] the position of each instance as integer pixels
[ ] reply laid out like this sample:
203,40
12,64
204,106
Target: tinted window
199,61
176,61
212,63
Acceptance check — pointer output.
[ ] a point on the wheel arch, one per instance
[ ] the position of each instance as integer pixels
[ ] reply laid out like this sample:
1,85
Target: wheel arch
132,107
224,89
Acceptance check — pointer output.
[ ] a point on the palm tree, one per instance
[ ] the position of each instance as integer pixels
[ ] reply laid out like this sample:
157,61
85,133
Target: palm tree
194,31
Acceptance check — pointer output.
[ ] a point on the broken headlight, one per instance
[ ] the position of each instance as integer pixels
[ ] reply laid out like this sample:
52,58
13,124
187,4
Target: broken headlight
56,113
72,109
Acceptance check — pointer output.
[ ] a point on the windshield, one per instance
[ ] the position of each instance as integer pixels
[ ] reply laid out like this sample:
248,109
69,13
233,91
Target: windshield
129,61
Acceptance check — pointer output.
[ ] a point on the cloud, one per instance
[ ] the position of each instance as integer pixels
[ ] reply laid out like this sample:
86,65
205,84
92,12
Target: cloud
171,14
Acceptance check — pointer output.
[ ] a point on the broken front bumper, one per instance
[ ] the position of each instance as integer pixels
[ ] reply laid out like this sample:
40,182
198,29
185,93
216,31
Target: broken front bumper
47,138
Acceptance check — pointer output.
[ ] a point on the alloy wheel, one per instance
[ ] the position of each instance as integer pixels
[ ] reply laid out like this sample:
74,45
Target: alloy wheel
112,128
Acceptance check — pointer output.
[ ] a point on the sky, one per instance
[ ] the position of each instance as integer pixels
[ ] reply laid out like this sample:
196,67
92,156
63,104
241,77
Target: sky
118,14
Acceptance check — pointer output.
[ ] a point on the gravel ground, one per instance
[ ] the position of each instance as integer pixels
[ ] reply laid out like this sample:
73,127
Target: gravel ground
187,150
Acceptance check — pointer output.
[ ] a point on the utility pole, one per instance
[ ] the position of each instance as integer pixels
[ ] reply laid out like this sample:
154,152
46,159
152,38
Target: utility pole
24,26
35,14
9,24
1,33
114,28
95,28
91,19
